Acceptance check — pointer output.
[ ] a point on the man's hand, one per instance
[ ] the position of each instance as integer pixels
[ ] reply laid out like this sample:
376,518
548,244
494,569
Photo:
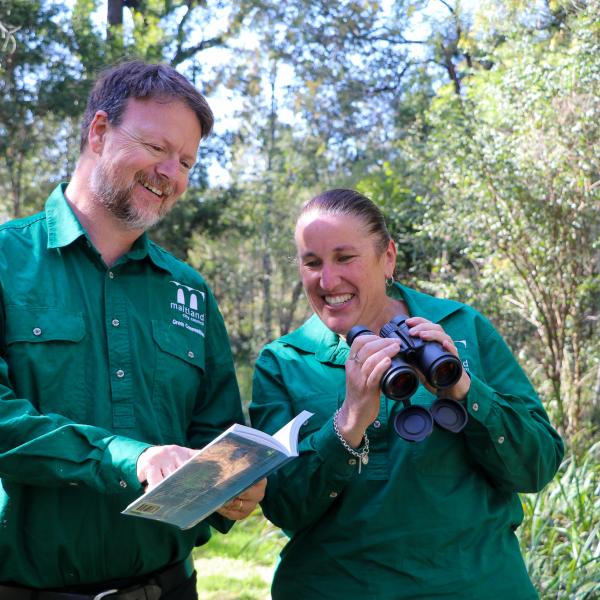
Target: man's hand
242,505
156,462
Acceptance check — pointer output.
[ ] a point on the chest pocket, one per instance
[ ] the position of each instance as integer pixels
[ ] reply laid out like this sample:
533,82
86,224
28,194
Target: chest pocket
41,324
46,359
178,376
178,342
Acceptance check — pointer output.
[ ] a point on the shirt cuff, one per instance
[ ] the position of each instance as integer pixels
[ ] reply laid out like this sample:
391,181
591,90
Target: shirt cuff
331,451
121,456
479,400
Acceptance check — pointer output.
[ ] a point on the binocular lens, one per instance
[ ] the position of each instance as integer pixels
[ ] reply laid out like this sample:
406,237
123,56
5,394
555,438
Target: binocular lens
446,373
399,383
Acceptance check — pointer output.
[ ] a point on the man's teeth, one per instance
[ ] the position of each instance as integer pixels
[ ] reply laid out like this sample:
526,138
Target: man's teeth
338,299
152,189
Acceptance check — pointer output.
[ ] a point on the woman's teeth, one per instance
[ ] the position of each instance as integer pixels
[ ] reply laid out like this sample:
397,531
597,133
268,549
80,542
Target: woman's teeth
333,300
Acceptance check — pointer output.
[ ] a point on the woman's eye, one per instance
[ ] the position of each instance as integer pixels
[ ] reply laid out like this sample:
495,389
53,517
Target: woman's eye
311,264
345,258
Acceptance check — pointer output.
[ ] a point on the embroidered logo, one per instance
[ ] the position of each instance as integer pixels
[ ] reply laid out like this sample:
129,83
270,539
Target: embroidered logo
465,362
187,304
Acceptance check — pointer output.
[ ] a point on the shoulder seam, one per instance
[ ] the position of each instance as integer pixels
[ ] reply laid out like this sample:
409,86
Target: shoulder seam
23,223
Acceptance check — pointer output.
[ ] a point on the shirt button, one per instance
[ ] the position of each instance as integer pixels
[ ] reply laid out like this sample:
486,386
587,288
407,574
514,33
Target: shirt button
120,373
333,494
122,483
377,424
191,354
352,461
116,322
111,274
37,331
475,406
501,439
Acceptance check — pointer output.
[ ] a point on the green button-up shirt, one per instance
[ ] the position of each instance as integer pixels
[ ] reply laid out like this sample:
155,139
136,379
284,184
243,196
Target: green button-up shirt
422,520
96,364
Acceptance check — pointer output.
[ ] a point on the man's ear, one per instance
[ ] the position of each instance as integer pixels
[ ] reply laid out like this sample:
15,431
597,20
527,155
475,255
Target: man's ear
97,131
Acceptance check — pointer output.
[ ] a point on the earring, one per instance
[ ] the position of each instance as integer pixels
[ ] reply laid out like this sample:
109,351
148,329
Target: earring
389,281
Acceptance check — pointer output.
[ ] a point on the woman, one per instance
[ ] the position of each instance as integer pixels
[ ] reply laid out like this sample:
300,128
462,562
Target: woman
370,514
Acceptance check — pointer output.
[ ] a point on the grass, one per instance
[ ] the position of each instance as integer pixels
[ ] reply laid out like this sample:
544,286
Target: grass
560,539
239,565
560,536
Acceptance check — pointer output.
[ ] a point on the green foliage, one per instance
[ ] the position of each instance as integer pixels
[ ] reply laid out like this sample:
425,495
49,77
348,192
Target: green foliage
240,564
515,162
560,536
38,90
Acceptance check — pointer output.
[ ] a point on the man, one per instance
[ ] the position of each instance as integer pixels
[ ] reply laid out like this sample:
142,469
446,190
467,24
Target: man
114,359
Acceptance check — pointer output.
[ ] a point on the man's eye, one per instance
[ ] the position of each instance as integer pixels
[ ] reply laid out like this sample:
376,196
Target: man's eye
186,164
154,147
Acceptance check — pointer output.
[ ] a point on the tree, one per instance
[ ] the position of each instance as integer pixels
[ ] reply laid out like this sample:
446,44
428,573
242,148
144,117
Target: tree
36,78
516,162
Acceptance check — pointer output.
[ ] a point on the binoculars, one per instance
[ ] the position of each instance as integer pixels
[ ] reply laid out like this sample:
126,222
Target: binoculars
441,369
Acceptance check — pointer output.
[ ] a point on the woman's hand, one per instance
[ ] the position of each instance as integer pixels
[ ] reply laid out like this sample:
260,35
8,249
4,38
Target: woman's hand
243,504
370,357
432,332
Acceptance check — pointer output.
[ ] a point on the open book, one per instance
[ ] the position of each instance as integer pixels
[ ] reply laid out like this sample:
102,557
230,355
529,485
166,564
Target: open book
232,462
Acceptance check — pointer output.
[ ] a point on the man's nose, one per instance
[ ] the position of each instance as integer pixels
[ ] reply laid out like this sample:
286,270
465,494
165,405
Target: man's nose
169,168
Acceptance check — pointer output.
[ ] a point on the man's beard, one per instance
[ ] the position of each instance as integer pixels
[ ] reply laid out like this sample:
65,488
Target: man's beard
117,198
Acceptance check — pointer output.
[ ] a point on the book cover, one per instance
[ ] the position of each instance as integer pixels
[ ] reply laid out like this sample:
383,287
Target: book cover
232,462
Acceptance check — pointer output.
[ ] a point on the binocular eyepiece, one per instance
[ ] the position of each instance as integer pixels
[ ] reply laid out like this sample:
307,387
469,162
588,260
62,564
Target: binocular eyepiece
441,369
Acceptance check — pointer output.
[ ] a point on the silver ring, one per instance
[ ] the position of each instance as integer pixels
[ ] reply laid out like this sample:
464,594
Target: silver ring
355,359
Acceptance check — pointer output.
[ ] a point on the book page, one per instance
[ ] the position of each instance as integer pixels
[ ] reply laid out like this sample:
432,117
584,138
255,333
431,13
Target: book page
285,440
287,436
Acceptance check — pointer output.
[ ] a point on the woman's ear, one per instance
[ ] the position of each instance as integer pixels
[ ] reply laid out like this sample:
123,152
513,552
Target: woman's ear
97,131
390,256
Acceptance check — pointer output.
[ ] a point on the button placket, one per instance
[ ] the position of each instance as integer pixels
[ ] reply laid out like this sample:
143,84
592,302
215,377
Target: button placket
119,350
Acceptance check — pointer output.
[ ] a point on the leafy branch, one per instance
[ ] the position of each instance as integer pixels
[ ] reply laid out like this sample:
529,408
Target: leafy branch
7,33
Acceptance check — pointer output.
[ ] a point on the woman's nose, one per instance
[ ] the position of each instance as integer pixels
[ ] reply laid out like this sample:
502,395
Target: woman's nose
329,277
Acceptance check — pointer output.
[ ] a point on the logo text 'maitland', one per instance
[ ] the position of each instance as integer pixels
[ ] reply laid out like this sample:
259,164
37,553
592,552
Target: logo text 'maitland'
186,310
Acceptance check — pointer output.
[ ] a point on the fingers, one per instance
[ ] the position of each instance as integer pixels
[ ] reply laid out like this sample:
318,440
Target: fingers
156,462
431,332
244,504
371,349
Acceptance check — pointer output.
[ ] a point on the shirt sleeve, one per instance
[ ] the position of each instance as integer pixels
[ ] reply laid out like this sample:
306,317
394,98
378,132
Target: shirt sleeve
300,492
218,403
509,434
51,450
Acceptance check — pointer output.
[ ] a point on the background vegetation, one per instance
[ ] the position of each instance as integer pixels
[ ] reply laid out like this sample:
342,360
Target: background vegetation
474,125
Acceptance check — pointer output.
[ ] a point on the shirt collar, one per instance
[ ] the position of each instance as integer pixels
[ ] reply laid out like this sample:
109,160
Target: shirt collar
314,337
64,228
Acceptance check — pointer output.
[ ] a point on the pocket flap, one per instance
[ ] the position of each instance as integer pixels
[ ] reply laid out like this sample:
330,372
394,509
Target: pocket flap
179,342
42,324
